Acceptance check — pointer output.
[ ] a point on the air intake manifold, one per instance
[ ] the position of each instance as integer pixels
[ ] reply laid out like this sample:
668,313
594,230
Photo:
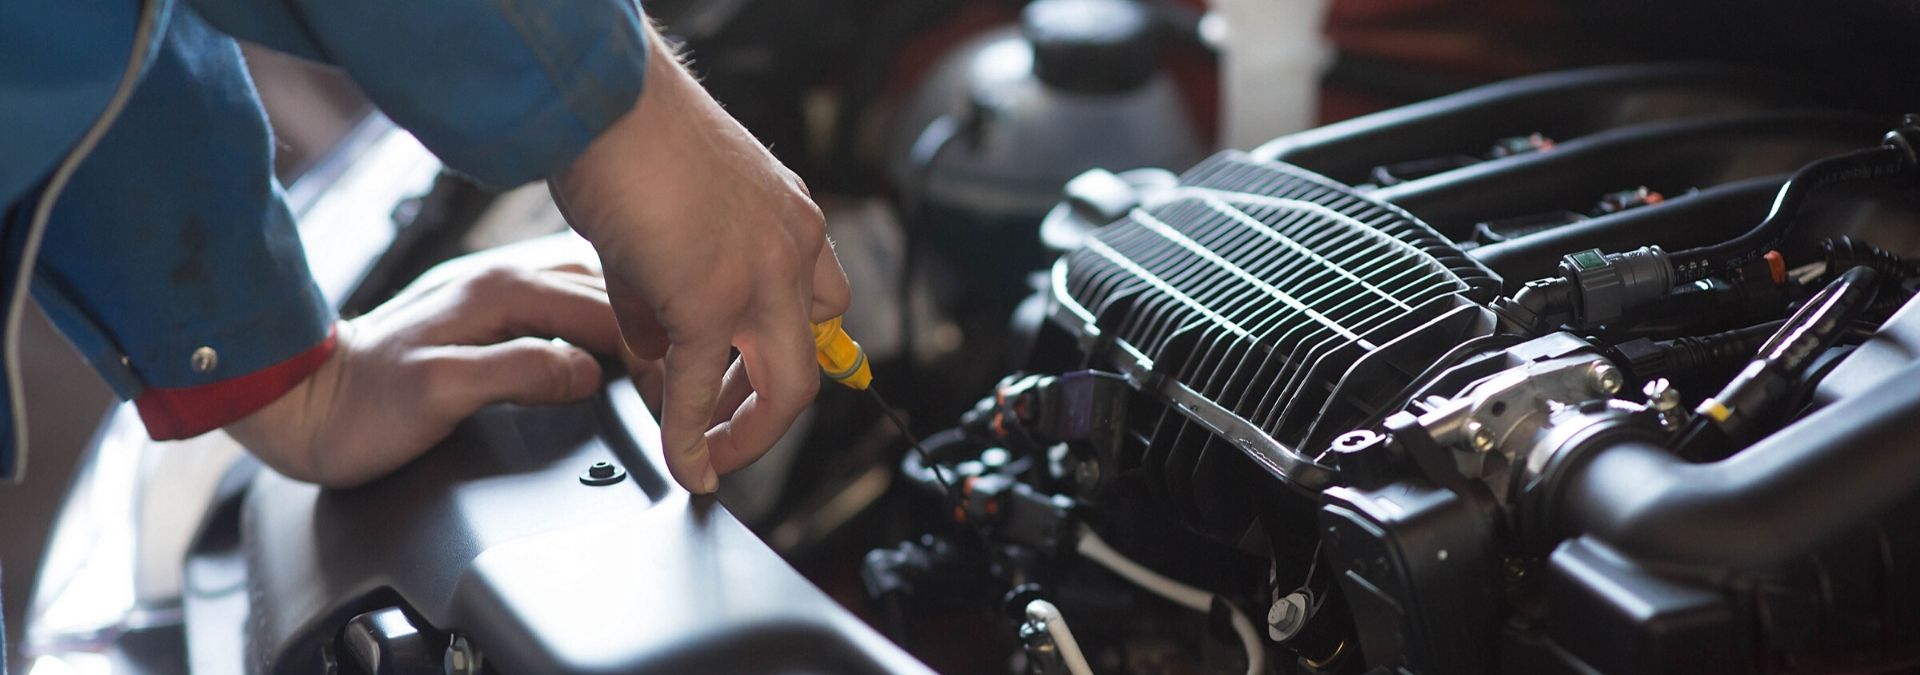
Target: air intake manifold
1270,309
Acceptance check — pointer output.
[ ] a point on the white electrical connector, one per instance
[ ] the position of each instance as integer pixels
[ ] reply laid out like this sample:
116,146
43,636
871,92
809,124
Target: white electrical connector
1049,618
1096,549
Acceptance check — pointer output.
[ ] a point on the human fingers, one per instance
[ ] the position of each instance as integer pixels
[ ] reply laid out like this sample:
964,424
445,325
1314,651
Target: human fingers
575,268
528,371
734,389
693,372
779,358
831,293
649,378
504,303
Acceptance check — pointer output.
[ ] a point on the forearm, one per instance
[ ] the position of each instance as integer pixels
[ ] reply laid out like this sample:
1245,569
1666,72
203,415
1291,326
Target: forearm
673,125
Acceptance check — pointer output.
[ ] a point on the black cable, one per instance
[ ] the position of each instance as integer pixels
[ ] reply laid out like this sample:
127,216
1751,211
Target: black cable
1819,322
926,458
955,501
1751,399
1701,262
927,150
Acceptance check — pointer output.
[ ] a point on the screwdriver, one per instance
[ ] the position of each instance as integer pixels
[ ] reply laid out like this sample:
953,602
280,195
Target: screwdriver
844,362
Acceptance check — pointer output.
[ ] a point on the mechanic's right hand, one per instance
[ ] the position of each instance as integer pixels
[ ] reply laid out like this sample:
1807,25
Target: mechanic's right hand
708,244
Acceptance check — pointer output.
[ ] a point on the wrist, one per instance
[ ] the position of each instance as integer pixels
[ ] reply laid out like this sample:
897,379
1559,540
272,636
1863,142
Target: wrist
280,431
645,149
185,412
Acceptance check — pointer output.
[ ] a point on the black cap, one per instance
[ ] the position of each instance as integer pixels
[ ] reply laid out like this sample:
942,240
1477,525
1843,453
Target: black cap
1090,46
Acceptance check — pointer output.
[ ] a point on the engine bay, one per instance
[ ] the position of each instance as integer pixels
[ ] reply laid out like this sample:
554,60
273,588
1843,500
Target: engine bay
1611,369
1530,378
1607,371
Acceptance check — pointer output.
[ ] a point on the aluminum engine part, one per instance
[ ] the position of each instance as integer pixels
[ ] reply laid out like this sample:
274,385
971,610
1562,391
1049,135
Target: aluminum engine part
1272,308
1506,429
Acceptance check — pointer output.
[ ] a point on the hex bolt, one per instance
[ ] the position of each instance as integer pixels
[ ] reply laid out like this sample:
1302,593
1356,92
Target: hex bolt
1480,436
602,473
1605,378
1288,615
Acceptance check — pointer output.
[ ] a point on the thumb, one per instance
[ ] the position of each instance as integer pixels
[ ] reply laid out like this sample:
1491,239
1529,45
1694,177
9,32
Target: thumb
526,371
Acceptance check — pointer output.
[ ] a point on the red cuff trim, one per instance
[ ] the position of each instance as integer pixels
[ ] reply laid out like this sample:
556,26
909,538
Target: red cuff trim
173,414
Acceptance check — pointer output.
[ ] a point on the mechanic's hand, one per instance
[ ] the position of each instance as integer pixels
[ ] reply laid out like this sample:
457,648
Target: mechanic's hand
708,244
402,376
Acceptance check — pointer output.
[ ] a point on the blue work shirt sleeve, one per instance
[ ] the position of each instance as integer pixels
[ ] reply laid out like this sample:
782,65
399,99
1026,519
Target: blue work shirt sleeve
506,91
171,260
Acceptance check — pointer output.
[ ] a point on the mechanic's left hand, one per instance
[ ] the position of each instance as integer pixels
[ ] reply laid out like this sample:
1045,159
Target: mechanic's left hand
402,376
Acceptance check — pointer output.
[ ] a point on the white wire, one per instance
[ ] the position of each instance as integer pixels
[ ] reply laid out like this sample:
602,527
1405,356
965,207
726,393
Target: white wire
1097,550
1049,617
37,226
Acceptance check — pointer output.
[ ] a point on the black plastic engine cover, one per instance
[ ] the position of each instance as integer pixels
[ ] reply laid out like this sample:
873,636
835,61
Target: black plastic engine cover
1419,569
494,535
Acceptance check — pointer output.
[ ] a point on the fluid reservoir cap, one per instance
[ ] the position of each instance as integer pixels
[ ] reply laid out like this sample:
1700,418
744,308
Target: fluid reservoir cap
1090,46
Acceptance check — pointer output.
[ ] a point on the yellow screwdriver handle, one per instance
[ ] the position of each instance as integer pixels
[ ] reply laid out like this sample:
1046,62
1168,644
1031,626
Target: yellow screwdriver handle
840,357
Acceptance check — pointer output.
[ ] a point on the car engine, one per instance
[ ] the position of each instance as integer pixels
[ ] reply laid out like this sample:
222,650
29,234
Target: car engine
1608,370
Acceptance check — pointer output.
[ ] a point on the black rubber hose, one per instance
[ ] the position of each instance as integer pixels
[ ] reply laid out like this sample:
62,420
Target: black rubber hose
1648,359
1819,322
938,446
916,214
1756,394
1842,253
1780,498
1698,263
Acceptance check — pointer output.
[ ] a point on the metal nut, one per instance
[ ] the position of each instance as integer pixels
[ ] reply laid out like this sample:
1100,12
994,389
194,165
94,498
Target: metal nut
602,473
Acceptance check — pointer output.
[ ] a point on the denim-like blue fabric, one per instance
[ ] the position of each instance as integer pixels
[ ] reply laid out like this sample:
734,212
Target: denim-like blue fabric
173,234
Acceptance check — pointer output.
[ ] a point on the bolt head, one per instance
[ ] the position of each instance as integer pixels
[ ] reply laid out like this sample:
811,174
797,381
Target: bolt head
1288,615
1606,378
1480,436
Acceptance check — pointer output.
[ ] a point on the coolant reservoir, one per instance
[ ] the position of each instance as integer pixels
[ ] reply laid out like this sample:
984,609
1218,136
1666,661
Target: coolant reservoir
1272,54
1076,86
